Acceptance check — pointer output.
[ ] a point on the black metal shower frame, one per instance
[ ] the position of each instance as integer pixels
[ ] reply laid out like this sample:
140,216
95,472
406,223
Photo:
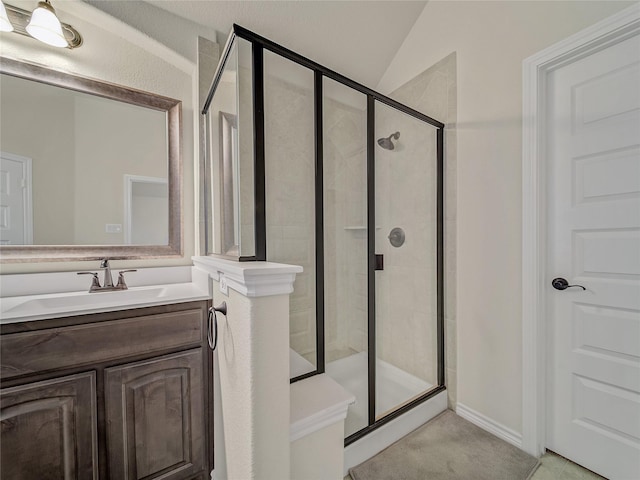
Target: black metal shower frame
259,44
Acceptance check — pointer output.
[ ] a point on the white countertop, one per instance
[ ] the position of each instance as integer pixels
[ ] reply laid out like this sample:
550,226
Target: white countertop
40,307
43,296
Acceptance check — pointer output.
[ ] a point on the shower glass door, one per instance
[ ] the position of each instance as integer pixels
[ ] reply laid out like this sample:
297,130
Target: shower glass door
348,183
345,245
406,246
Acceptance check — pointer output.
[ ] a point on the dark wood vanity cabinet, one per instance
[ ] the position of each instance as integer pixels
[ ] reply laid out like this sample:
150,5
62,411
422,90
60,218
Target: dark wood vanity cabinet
118,395
49,429
155,417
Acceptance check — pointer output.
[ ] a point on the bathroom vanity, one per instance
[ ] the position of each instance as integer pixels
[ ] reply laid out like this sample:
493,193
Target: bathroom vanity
111,395
108,384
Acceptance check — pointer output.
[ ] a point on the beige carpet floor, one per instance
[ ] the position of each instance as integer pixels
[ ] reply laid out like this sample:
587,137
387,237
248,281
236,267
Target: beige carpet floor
448,448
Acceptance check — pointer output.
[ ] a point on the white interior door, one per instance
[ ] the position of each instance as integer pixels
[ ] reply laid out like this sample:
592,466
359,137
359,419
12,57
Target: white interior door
593,132
146,210
15,200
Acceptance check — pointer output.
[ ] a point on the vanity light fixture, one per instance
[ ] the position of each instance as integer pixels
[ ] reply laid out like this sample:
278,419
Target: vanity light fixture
5,24
42,24
45,26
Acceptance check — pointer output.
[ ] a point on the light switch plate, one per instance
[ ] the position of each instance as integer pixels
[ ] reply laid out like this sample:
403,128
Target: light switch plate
224,288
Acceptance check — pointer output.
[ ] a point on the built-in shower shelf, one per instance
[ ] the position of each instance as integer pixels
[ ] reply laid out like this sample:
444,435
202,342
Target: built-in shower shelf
358,227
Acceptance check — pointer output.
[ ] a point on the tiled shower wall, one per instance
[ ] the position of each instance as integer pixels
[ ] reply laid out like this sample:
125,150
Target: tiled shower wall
291,231
434,92
290,154
406,290
290,173
345,210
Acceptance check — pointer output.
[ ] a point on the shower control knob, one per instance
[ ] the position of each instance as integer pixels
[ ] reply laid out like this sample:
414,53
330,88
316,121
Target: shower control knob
562,284
396,237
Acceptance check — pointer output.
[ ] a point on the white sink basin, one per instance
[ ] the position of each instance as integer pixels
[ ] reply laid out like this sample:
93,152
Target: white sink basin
35,307
82,299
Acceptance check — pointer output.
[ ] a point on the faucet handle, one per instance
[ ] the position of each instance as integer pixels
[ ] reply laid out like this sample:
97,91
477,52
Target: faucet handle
121,283
95,282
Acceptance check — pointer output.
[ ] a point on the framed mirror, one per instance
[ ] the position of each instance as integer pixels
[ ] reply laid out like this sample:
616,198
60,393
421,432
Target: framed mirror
88,169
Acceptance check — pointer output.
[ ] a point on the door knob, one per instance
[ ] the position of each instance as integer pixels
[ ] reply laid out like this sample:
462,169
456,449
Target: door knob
562,284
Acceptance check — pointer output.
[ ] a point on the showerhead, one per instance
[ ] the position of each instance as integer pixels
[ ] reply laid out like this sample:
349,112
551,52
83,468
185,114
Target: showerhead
386,142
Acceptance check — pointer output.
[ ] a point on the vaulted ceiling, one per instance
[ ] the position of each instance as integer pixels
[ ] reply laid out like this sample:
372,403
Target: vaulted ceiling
356,38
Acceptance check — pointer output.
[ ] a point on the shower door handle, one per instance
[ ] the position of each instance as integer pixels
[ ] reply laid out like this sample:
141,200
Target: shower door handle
379,261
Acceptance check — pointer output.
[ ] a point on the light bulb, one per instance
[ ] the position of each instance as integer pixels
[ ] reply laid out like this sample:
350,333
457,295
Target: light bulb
45,26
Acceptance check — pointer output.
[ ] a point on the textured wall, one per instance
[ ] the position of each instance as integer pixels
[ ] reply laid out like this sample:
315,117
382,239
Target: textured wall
253,362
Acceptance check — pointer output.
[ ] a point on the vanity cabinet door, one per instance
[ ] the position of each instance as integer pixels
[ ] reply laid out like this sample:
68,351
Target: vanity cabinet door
155,418
48,429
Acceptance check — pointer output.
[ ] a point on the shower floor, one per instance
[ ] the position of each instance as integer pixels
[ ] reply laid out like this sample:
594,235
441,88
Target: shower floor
394,387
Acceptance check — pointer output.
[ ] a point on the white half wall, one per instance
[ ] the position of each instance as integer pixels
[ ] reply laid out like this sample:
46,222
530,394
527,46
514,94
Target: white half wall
252,367
491,39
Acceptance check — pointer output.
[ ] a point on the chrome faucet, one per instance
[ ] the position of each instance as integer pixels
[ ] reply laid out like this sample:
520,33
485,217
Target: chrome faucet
108,279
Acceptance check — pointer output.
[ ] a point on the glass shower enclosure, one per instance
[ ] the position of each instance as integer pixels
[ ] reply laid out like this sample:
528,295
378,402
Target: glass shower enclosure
305,166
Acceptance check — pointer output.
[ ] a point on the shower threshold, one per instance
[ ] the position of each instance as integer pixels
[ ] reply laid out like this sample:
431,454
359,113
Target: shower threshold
394,387
393,430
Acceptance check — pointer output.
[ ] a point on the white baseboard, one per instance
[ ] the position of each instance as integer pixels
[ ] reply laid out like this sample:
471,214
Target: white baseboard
491,426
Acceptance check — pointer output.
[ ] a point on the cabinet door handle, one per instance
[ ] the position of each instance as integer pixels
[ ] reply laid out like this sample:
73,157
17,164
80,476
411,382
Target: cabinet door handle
212,324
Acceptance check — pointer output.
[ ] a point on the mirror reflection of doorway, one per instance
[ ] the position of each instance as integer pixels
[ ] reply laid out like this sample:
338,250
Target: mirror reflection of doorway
146,210
230,174
16,215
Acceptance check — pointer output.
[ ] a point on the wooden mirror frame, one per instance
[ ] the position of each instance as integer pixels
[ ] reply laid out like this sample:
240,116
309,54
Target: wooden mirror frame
173,109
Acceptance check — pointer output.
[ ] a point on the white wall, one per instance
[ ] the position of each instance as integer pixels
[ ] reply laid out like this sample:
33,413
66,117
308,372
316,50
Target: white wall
490,39
52,154
182,37
253,362
319,456
132,146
